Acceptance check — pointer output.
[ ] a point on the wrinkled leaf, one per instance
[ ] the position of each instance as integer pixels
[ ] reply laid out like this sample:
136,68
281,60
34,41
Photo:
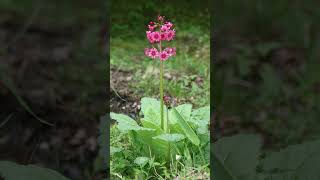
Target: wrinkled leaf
12,171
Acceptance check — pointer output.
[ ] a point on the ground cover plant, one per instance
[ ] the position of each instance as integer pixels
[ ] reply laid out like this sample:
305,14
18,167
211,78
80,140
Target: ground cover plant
166,140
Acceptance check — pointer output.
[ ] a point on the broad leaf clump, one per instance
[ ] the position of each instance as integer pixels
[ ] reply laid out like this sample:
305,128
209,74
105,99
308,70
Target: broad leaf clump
187,129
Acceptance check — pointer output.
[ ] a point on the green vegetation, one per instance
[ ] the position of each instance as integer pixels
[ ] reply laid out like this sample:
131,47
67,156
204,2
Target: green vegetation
144,150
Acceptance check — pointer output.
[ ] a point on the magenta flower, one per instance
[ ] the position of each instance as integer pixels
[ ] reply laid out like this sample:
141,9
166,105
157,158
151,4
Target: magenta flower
156,36
170,51
164,28
169,25
146,51
157,32
170,34
150,37
151,28
163,55
153,53
160,18
163,36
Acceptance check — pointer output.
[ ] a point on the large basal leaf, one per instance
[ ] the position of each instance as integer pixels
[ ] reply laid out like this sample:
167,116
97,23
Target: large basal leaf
152,116
160,149
170,137
297,161
236,157
188,131
184,110
12,171
147,103
201,114
125,123
150,108
148,124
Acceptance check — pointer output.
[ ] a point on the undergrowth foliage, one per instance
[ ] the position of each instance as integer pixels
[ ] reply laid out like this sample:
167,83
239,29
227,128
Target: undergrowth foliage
188,138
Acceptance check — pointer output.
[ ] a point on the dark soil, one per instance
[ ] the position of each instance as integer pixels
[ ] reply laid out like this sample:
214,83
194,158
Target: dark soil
122,98
37,65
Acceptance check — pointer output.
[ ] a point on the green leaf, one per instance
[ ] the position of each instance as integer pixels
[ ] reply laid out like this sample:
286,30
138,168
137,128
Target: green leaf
201,118
150,103
185,111
141,161
125,123
160,148
152,116
188,131
170,137
148,124
296,161
201,114
150,108
12,171
236,157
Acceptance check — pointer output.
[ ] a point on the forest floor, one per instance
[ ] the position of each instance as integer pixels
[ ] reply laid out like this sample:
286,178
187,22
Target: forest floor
60,87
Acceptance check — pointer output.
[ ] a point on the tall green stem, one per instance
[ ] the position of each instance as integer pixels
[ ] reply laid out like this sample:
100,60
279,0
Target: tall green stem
161,95
161,90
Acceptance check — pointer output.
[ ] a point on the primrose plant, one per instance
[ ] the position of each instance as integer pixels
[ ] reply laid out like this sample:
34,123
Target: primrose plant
164,131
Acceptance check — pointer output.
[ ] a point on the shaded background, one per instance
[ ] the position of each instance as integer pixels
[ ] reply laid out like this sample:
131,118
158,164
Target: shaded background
266,70
52,63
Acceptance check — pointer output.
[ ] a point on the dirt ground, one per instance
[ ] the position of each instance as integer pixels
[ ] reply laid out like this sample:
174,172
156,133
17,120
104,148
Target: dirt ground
37,63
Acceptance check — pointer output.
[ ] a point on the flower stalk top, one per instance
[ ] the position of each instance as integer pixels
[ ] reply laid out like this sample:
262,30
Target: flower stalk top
160,31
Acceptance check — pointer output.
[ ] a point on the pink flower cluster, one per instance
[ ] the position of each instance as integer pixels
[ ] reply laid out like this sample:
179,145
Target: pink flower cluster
164,33
162,55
